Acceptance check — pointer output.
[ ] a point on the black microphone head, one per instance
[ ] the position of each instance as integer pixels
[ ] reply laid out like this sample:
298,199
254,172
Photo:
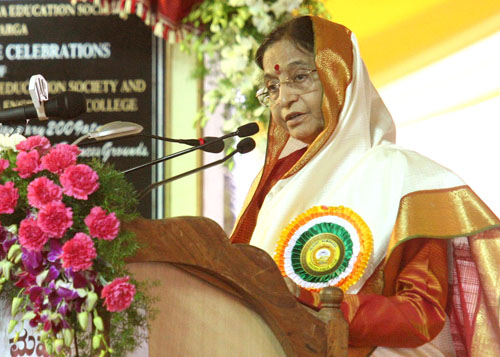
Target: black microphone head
245,145
247,130
66,105
216,147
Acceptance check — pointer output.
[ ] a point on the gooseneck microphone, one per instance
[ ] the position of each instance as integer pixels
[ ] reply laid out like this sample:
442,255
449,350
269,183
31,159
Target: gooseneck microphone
242,131
174,155
65,105
118,130
109,131
244,146
217,142
215,147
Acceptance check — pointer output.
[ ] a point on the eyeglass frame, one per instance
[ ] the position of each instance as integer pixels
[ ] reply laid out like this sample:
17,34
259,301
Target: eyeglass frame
264,91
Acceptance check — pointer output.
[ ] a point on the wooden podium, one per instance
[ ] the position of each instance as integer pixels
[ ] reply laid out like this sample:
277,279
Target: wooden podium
219,299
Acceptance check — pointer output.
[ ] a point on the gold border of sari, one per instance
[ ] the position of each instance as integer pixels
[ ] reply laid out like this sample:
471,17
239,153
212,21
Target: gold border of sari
450,213
443,213
485,250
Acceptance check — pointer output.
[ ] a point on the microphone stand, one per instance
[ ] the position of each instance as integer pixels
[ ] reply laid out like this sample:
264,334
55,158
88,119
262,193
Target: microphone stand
244,146
150,136
171,156
187,173
216,147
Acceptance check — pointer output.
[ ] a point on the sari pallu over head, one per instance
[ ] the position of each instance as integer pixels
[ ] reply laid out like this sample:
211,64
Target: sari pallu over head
355,179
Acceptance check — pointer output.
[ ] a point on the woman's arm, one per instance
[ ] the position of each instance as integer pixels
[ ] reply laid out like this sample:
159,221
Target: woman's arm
416,313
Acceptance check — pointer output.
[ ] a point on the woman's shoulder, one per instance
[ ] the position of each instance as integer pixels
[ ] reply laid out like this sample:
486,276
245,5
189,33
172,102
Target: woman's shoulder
417,171
399,156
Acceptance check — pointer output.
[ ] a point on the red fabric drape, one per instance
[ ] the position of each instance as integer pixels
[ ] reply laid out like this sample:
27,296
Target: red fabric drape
162,15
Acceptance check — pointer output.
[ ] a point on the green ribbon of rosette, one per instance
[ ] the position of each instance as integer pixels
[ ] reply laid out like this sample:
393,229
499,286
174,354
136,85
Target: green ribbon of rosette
321,228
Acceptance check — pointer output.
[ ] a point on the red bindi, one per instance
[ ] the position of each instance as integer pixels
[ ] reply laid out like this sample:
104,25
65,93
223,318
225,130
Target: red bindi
277,68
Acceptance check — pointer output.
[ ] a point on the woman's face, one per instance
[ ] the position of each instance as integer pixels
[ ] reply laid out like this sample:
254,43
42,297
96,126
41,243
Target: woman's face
297,111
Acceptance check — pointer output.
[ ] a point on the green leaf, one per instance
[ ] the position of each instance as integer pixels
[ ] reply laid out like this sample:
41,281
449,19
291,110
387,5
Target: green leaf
83,320
68,335
12,324
96,341
99,325
16,302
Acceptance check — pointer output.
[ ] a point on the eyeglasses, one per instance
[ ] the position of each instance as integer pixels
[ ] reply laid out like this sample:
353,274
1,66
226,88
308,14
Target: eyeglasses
300,81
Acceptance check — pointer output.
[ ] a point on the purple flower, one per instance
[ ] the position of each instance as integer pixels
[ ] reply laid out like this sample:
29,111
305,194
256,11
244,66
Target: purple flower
55,299
67,294
63,309
32,261
7,242
25,280
53,273
55,250
47,325
35,293
79,280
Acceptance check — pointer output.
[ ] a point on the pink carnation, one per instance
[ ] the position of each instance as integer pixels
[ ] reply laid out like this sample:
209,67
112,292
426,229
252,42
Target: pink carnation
28,163
3,165
118,294
42,191
59,158
36,142
75,150
78,252
79,181
101,225
55,218
31,236
8,197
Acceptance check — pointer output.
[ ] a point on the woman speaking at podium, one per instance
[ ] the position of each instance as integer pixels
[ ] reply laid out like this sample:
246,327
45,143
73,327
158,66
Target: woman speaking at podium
337,203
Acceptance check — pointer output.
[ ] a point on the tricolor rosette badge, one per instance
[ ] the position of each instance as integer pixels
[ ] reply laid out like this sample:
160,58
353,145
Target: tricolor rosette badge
325,246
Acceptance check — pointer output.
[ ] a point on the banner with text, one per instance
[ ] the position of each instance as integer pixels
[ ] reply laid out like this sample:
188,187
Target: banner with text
117,64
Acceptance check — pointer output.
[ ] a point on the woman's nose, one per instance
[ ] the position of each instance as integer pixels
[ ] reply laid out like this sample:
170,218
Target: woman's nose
287,95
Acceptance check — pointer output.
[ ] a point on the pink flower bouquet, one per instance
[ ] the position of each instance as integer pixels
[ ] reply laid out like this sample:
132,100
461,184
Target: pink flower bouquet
62,252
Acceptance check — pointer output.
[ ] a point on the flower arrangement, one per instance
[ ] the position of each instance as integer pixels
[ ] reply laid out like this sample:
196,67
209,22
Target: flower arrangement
62,252
230,33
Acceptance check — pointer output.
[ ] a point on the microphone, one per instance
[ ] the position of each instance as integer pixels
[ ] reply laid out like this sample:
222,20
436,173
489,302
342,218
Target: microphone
217,142
39,92
244,146
116,129
242,131
247,130
65,105
216,146
179,153
109,131
121,130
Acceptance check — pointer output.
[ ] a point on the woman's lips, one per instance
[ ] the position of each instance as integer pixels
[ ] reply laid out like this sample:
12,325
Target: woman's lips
293,116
